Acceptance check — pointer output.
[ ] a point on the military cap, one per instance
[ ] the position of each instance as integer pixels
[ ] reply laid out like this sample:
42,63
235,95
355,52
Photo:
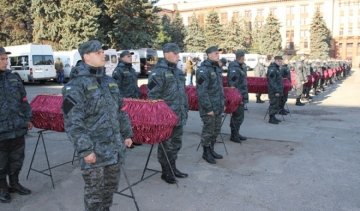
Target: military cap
171,47
91,46
3,51
125,53
239,53
212,49
223,60
278,58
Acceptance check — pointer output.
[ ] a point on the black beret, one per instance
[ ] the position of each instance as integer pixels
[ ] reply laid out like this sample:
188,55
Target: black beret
212,49
240,53
171,47
125,53
3,51
91,46
278,58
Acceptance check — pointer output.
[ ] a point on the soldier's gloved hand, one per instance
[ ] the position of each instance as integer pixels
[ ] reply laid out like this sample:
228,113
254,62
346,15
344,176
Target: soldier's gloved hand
277,95
128,142
90,159
211,113
30,125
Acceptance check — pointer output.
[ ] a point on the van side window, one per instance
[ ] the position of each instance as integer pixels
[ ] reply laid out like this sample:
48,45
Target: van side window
113,59
107,58
43,60
19,61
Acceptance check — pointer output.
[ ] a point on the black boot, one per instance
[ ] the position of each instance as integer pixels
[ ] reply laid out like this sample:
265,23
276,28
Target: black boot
298,102
16,187
258,100
177,172
213,153
207,156
235,138
166,175
272,120
283,112
4,192
242,138
276,119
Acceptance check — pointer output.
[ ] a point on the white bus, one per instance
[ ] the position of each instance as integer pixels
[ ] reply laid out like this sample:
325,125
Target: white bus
33,62
111,60
69,60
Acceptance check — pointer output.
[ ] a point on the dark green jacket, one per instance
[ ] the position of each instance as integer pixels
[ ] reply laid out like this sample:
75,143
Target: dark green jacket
92,116
275,80
126,78
237,77
167,82
209,88
285,71
15,111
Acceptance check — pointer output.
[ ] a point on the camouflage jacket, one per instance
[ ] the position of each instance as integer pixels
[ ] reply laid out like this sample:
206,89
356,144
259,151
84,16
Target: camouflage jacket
126,78
167,82
285,71
15,111
260,70
209,88
275,83
92,116
237,77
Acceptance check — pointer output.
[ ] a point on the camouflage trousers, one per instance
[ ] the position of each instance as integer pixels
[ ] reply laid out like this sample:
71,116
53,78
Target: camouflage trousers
283,100
172,146
211,129
11,158
100,185
237,118
274,106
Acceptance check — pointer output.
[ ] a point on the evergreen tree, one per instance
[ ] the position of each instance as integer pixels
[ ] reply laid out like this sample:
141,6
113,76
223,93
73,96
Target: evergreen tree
80,22
178,31
271,37
194,40
134,23
256,37
47,16
213,30
320,38
163,35
233,39
245,35
15,22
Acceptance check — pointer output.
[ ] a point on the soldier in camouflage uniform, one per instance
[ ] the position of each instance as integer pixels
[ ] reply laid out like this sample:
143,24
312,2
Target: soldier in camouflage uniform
285,73
126,76
211,102
15,116
276,88
96,125
260,71
237,78
300,80
167,82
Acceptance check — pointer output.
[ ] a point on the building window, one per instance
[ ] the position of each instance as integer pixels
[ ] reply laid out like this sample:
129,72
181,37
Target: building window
260,12
289,10
304,9
290,35
223,18
273,11
358,49
350,28
341,30
201,19
349,49
342,13
236,15
248,15
303,21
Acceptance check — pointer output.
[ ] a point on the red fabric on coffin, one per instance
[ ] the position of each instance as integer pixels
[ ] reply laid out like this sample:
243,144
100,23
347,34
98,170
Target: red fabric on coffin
47,114
143,91
233,99
257,85
152,121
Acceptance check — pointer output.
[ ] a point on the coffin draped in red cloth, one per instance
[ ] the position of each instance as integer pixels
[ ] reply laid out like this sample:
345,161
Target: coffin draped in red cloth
143,91
233,99
260,85
152,121
47,114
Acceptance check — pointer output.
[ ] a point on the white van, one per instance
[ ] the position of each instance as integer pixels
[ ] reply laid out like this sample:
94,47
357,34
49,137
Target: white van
69,59
135,60
111,60
252,60
33,62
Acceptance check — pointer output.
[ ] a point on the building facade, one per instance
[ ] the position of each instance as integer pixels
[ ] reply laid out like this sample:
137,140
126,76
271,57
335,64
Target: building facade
342,17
